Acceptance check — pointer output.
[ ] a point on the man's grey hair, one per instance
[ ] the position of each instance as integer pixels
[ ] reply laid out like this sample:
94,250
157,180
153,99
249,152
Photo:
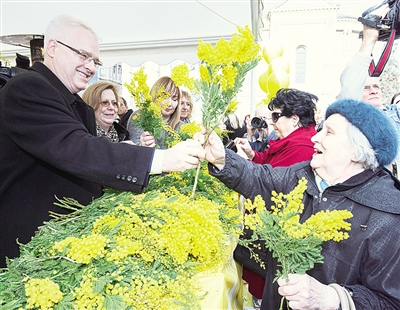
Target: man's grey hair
364,153
60,27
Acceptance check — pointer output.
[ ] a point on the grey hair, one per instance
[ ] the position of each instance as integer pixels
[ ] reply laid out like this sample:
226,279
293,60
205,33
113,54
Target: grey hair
60,27
364,153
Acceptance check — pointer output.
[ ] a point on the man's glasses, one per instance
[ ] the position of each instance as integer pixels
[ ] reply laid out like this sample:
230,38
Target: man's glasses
106,103
84,56
275,116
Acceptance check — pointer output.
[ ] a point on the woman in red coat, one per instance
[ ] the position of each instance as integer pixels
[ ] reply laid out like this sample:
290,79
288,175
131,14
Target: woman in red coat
294,124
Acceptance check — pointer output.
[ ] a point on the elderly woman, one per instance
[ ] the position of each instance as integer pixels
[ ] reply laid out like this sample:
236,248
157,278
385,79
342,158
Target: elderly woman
103,97
294,124
350,154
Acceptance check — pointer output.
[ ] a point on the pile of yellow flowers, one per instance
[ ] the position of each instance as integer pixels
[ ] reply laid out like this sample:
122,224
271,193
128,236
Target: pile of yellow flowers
126,250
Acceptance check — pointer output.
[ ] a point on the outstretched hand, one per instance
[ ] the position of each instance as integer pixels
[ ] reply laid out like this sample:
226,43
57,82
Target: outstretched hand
184,155
214,148
305,292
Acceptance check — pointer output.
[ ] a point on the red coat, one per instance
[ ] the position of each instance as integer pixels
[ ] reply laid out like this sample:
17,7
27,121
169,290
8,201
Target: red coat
294,148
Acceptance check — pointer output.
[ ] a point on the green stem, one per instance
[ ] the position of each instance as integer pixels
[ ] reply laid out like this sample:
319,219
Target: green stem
195,181
196,178
281,305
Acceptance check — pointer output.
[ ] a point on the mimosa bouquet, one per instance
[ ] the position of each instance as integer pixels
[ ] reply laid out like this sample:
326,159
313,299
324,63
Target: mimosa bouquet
297,246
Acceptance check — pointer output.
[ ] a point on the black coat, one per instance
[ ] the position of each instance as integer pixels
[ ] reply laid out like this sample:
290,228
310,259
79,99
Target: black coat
125,118
49,149
368,262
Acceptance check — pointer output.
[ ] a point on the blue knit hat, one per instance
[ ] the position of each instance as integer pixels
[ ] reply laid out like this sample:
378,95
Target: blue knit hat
375,126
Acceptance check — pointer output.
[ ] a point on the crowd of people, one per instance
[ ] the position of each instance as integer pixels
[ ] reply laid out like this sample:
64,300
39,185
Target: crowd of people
55,143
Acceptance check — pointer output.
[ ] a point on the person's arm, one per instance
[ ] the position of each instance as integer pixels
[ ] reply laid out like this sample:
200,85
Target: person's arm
353,77
43,124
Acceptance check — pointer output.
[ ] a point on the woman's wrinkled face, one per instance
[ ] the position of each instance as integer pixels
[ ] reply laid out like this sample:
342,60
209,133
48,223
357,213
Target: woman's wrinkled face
170,105
333,150
107,110
185,108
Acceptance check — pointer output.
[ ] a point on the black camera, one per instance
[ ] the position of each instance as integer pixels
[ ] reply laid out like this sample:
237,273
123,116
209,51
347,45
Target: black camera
258,122
6,73
391,22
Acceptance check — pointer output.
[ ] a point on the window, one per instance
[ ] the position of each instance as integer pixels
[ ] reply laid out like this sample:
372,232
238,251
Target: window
300,72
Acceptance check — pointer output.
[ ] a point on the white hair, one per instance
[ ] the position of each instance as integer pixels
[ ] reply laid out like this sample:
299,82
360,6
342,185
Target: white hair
364,153
60,27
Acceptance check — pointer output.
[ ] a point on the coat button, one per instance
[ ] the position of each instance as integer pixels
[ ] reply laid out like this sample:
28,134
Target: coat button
123,177
129,178
118,176
324,199
134,179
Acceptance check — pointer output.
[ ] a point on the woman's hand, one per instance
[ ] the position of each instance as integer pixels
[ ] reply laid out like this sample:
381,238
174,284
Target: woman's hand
305,292
243,146
215,150
147,139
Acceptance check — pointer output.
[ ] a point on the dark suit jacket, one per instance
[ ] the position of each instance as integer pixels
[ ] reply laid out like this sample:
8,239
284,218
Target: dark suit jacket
48,149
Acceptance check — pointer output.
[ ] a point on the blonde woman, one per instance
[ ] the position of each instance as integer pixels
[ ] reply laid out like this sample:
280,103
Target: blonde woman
171,114
186,107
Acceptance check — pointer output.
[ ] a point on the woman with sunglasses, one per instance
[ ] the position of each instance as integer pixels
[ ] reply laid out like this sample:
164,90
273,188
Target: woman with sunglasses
103,97
294,124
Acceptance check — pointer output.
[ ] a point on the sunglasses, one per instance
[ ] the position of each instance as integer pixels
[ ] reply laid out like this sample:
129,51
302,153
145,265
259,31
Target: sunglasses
275,116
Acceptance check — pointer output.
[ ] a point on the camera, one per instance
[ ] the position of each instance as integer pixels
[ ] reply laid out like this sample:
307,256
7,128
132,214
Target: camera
391,22
6,73
258,122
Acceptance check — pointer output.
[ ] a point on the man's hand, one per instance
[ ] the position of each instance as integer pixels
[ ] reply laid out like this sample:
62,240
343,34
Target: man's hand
243,146
371,35
215,151
305,292
185,155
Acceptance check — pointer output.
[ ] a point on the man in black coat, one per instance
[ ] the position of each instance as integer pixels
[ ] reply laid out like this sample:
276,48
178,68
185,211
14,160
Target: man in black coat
48,140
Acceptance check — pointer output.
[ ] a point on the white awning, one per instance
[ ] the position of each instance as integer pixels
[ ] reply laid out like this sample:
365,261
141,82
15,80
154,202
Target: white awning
136,31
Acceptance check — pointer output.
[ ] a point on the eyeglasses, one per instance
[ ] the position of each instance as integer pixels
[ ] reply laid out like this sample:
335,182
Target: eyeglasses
106,103
275,116
84,56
